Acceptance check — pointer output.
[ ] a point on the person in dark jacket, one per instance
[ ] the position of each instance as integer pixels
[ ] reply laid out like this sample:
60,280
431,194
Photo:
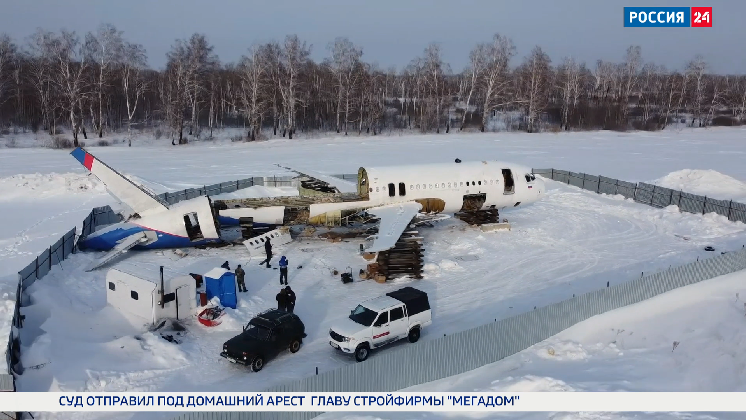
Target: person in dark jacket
283,270
240,275
226,266
282,300
268,250
291,298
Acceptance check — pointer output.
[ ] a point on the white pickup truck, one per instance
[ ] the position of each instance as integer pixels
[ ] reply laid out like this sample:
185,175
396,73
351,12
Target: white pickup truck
383,320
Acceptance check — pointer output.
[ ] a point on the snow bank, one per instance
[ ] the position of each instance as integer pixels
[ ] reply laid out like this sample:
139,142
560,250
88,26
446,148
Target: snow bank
704,182
46,185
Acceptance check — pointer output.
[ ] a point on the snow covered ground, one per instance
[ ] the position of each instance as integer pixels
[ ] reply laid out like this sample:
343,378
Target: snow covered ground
571,242
627,350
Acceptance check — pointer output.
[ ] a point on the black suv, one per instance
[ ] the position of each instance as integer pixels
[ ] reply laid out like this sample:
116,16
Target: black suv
265,336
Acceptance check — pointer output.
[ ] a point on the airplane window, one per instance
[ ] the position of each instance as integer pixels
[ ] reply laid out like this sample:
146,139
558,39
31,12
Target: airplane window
371,189
112,287
443,185
528,178
480,182
392,190
402,189
462,183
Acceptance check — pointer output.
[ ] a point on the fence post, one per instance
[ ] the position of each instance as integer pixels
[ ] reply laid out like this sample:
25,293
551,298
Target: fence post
730,207
634,194
36,271
552,173
670,198
583,184
679,203
598,188
652,196
704,205
63,246
50,257
616,189
236,185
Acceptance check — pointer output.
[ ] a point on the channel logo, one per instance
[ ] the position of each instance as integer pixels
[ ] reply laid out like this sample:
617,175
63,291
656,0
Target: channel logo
668,17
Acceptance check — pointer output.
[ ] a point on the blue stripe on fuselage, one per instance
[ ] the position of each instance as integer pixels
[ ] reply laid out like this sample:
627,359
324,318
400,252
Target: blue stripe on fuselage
230,221
108,237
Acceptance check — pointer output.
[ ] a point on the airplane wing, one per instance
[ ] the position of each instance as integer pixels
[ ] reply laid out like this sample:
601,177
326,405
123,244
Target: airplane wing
126,191
340,185
394,219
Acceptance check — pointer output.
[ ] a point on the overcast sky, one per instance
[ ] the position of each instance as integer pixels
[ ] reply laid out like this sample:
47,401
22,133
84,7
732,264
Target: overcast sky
392,32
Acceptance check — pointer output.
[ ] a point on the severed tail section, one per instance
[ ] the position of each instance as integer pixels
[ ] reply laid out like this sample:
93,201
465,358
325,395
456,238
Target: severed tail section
137,198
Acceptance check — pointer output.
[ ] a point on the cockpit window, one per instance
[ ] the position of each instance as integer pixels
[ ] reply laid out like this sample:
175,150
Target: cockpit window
530,177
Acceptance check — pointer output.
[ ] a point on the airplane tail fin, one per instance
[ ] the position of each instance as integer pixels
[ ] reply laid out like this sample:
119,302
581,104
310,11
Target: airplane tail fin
131,194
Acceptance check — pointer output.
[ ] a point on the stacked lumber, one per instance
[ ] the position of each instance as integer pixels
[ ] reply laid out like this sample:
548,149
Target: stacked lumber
480,217
406,258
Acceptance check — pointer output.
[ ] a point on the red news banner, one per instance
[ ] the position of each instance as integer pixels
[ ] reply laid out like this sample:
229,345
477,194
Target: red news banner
701,17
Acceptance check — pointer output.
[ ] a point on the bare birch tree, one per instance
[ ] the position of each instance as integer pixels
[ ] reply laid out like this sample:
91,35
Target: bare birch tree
133,82
7,55
293,56
343,62
105,48
253,72
533,86
70,65
495,82
696,74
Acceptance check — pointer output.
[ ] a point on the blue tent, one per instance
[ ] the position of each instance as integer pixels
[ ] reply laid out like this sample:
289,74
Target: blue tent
221,283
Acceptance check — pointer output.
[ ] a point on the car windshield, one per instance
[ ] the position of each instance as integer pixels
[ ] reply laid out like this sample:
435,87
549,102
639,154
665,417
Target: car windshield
363,315
260,333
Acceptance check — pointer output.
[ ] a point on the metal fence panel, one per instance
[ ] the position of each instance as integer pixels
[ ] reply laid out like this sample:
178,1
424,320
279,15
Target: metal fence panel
591,183
627,189
576,179
721,207
691,203
644,193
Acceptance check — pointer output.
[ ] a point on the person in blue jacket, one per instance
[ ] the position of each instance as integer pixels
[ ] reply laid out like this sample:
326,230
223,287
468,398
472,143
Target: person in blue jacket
284,270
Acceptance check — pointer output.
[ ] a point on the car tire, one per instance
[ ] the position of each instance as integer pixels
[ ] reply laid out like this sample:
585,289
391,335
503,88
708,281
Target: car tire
361,352
414,335
257,364
295,346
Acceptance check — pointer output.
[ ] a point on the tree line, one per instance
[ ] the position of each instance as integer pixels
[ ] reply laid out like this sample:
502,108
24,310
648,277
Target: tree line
101,83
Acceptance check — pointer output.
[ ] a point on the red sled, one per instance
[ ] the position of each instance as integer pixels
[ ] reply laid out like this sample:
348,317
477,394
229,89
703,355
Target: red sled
211,317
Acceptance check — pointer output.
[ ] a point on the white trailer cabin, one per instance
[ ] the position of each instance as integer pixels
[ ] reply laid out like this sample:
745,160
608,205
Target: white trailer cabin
142,291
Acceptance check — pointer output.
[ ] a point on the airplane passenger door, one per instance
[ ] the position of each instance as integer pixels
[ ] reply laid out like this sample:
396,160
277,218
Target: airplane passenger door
508,182
191,223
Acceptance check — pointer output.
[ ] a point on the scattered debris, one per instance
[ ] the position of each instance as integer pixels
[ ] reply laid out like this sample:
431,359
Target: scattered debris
675,344
709,248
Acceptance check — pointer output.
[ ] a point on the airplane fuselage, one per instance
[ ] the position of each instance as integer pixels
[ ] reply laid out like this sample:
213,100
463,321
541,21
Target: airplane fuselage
440,188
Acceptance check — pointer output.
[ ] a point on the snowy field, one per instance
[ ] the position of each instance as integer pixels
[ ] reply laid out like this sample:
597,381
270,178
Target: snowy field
627,350
571,242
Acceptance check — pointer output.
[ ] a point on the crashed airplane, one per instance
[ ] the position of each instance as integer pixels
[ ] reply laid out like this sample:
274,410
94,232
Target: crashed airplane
394,194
